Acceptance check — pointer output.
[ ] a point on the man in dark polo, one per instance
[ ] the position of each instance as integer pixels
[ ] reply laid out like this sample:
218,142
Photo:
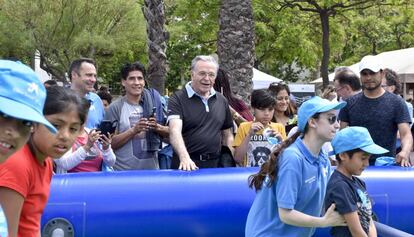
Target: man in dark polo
199,119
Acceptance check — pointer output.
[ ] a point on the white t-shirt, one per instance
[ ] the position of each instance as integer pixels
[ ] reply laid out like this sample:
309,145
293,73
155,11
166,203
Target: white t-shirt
3,224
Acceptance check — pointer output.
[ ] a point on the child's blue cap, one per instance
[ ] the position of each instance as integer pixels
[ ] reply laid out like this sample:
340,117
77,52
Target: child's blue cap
22,95
315,105
351,138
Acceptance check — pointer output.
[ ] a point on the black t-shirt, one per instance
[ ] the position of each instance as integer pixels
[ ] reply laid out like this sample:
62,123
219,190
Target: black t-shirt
349,195
201,129
380,116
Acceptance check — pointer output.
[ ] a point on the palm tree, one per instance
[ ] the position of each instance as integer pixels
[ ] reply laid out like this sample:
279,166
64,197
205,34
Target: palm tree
235,44
157,36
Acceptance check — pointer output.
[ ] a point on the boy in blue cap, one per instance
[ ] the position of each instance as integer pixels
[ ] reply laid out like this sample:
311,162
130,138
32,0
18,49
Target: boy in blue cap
353,147
291,185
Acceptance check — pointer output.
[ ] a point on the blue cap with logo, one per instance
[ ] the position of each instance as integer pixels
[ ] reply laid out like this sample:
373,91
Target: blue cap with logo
351,138
315,105
22,95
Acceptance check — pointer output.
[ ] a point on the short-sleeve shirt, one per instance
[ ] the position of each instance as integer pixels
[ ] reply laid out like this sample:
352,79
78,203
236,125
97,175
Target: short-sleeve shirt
96,111
300,185
380,116
349,195
134,155
23,174
203,119
259,149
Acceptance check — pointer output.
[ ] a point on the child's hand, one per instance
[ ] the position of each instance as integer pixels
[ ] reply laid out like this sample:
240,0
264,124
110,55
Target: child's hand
274,133
93,136
105,141
279,137
256,126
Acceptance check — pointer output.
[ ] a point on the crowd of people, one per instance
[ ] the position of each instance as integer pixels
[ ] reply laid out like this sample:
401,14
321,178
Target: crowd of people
46,129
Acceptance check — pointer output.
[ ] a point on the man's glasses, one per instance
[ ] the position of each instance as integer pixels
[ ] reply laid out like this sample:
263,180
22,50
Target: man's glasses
204,74
339,88
24,122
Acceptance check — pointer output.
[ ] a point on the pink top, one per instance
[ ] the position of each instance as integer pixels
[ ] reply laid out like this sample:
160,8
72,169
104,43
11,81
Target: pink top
92,162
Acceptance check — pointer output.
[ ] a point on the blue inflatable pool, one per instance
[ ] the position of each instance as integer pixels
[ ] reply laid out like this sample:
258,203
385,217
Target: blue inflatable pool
203,203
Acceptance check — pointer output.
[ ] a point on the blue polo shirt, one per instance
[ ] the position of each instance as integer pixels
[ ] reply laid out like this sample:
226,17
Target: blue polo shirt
96,111
300,185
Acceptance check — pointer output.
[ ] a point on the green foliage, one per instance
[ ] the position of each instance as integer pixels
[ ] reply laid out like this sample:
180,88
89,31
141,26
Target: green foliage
284,38
193,27
114,32
378,30
106,30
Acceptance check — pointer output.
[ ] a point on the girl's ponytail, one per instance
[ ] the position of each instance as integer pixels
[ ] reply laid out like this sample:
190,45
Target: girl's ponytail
271,167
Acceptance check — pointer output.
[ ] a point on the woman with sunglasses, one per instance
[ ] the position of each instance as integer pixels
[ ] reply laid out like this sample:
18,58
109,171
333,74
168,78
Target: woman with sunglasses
291,185
285,111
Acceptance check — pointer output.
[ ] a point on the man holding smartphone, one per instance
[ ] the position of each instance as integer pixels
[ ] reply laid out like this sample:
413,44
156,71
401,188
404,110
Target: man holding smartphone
137,139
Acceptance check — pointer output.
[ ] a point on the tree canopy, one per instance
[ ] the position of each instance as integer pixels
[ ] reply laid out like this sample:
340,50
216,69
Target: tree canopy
287,40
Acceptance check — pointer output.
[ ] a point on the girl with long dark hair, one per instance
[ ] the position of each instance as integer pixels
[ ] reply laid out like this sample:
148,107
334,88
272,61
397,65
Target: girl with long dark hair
285,110
291,185
25,177
239,110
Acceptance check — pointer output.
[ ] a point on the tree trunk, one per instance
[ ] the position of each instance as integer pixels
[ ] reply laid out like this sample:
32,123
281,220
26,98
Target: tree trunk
235,44
325,47
157,36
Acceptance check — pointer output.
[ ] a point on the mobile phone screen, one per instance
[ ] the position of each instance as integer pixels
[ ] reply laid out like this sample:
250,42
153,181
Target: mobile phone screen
153,111
106,127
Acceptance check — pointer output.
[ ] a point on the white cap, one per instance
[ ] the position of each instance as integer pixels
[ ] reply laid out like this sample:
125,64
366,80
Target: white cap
370,62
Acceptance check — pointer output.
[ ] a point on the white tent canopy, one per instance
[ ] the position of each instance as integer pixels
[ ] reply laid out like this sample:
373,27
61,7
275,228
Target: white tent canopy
401,61
262,80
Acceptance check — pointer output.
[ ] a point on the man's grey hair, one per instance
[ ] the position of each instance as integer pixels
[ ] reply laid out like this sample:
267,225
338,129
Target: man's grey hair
204,58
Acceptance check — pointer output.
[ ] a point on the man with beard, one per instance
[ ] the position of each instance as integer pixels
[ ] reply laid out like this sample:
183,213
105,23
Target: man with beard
381,112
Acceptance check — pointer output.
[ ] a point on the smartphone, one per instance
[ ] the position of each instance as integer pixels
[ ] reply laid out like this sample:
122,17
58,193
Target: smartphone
152,114
107,126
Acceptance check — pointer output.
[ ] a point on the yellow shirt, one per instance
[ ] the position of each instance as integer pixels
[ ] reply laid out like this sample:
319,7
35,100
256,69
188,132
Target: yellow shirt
259,148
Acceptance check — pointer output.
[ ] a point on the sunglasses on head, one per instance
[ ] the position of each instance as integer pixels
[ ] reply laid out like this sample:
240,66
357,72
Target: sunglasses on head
24,122
281,83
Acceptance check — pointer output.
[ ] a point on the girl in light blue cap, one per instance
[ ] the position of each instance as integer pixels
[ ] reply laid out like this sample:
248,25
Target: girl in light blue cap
22,97
353,147
291,185
26,175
